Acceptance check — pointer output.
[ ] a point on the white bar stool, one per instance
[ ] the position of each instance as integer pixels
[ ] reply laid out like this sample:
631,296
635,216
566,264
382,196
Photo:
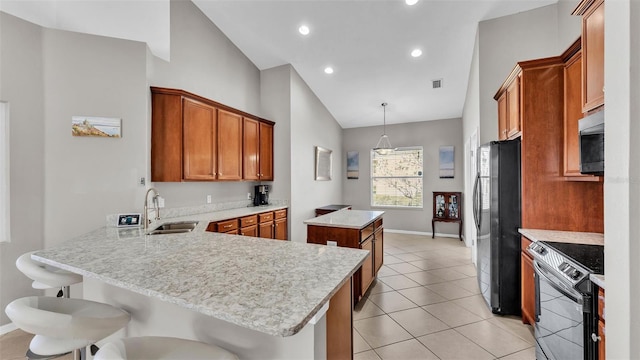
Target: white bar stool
46,278
161,348
62,325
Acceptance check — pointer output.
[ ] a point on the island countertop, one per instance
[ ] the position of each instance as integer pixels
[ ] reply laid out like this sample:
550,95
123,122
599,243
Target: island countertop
271,286
352,219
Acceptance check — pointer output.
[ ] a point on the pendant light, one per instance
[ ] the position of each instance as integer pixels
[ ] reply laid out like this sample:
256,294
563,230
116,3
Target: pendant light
384,145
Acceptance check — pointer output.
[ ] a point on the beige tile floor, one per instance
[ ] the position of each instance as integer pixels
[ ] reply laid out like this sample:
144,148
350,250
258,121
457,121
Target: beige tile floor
426,305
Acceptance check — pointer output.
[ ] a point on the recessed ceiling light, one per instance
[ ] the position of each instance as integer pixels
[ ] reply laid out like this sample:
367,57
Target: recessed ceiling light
416,52
328,70
303,29
411,2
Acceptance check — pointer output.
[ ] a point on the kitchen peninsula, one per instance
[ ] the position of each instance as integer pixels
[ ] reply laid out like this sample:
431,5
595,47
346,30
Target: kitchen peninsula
255,297
357,229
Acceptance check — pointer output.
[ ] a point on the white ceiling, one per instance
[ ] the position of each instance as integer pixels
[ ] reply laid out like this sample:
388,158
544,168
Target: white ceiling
367,42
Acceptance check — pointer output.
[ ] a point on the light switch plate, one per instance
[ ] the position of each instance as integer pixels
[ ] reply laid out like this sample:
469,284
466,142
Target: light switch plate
129,220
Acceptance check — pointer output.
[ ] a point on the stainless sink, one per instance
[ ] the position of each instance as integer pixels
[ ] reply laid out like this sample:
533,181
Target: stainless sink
174,228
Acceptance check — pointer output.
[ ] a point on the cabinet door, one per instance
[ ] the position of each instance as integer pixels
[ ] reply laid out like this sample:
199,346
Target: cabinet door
528,289
199,140
593,56
251,153
378,250
280,231
166,137
266,152
366,270
572,113
251,230
502,116
602,353
265,229
229,146
513,108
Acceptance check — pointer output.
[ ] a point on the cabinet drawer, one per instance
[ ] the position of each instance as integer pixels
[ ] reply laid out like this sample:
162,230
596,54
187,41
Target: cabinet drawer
264,217
366,232
279,214
227,225
248,220
377,224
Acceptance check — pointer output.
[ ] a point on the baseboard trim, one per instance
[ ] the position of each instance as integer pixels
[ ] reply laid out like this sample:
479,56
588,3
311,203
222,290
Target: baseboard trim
7,328
424,233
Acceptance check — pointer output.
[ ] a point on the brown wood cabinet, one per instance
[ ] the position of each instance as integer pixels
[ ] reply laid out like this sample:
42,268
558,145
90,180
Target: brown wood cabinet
340,324
363,238
447,207
258,150
197,139
269,224
528,284
592,12
280,224
601,326
509,117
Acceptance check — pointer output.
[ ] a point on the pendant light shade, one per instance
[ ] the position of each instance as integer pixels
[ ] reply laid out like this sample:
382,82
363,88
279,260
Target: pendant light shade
384,145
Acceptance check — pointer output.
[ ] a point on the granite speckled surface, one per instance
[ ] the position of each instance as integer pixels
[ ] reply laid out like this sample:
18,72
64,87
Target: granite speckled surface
270,286
597,279
572,237
353,219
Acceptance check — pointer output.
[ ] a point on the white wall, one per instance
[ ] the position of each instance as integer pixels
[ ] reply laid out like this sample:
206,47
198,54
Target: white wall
205,62
311,125
428,134
87,178
504,41
622,178
21,85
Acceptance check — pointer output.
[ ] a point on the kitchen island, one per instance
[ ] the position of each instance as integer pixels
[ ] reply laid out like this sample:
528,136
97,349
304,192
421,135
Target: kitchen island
256,297
358,229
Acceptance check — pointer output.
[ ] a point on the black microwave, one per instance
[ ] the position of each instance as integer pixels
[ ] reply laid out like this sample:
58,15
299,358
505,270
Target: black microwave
591,141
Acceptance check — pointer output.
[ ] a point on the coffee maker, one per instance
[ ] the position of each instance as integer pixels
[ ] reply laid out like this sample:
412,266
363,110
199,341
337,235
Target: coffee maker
261,195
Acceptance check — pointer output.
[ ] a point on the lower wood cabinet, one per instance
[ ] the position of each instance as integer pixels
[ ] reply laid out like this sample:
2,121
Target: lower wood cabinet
369,237
528,285
601,329
270,225
340,324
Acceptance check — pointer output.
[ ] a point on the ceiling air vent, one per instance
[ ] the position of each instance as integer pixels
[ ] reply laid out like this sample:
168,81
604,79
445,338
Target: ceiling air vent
437,84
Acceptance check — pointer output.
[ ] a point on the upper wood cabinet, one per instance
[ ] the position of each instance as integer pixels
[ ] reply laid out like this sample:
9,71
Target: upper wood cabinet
229,146
592,12
197,139
258,150
200,140
509,117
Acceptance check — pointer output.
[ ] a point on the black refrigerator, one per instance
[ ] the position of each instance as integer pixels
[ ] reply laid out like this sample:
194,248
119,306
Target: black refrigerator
497,215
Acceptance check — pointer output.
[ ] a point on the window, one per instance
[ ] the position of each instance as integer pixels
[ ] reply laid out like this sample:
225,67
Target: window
396,178
4,172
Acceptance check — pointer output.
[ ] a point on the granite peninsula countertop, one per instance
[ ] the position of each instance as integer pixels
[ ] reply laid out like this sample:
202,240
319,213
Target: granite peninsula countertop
572,237
353,219
271,286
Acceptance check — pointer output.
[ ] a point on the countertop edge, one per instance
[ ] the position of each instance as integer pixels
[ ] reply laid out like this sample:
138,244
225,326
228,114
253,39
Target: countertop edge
598,280
575,237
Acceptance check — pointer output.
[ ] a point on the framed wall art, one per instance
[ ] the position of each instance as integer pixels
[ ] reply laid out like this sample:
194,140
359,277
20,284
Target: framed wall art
323,164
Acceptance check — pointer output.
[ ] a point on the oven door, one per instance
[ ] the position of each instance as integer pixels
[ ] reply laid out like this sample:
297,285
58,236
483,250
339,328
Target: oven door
559,327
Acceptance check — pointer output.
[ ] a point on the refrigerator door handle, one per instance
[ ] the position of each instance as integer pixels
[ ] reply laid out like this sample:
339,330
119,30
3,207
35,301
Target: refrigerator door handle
475,201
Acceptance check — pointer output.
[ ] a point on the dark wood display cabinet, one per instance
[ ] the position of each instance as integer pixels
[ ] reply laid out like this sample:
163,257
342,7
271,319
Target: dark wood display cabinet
447,207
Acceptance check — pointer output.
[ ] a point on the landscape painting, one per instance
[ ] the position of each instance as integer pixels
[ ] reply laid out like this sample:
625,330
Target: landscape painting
353,167
96,126
447,169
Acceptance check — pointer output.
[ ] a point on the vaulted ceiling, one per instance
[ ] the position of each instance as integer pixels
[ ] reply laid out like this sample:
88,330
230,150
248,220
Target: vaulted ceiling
368,44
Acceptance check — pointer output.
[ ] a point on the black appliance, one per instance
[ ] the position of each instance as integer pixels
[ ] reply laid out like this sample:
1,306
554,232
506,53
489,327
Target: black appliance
496,210
565,306
261,195
591,141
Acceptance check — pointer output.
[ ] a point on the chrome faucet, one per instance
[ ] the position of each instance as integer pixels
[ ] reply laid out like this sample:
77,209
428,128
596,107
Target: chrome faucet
156,207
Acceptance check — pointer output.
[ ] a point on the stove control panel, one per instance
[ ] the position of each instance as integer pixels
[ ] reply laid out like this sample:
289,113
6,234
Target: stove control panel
569,270
558,263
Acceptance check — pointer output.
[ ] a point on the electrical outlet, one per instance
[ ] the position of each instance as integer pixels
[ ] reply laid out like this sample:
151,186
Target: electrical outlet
248,196
332,243
208,199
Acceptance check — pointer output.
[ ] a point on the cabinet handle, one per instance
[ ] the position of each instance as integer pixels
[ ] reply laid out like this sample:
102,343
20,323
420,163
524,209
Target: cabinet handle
595,337
227,226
